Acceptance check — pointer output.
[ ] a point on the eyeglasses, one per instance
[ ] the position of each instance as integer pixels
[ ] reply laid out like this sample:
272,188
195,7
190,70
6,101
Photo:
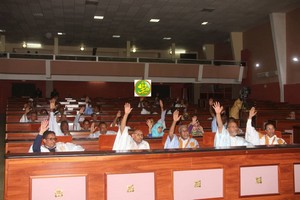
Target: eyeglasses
51,139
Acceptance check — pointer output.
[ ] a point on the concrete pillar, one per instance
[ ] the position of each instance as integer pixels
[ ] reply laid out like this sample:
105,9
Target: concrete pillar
278,26
2,43
236,45
55,50
209,51
173,48
128,48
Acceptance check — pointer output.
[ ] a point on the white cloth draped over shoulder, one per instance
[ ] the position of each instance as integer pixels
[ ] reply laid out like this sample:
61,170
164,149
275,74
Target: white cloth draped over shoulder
257,138
124,141
224,139
61,147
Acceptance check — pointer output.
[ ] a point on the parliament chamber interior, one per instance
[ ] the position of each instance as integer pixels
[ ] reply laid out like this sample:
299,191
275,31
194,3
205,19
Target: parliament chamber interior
94,106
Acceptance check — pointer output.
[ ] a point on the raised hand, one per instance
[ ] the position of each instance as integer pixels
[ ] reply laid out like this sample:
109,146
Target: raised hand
176,116
52,104
81,111
252,112
218,108
210,102
44,126
93,128
127,108
194,120
118,114
149,123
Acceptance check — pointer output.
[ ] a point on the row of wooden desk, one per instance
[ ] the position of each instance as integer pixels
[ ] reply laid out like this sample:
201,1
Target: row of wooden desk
262,173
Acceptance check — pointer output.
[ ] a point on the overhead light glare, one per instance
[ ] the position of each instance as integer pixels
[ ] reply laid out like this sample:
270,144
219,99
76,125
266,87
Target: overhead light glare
154,20
257,65
98,17
61,33
295,59
179,51
167,38
133,49
116,36
204,23
34,45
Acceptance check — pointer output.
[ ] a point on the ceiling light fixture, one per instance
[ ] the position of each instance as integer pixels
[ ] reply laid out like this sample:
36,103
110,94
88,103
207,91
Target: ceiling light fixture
2,30
133,49
61,33
179,51
257,65
34,45
98,17
204,23
295,59
116,36
154,20
24,45
167,38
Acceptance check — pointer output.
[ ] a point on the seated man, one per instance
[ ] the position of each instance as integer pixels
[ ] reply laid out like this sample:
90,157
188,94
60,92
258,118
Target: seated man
123,140
101,129
184,141
76,124
29,115
49,139
227,137
257,138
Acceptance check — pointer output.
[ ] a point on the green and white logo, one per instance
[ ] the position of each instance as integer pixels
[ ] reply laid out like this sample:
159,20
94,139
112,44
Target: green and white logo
142,88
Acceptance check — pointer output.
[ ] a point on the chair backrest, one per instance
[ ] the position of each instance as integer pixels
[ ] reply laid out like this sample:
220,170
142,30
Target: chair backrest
106,142
113,128
208,139
66,138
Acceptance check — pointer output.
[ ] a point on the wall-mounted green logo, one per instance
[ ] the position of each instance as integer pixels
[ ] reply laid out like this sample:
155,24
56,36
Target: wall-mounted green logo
142,88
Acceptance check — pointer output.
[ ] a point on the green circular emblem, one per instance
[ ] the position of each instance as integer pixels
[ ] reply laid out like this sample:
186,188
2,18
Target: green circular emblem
142,88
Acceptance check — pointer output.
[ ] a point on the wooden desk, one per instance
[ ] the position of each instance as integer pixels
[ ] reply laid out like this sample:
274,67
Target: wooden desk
96,166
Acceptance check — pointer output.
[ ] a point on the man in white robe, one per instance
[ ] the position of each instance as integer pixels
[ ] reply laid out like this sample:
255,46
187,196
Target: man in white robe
226,137
123,140
184,140
258,138
50,144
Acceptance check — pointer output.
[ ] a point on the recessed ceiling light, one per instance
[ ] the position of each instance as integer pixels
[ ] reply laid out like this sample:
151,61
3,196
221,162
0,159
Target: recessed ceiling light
154,20
116,36
257,65
98,17
204,23
167,38
61,33
2,30
295,59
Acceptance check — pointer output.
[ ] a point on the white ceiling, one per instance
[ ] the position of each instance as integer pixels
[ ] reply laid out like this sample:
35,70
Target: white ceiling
40,20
